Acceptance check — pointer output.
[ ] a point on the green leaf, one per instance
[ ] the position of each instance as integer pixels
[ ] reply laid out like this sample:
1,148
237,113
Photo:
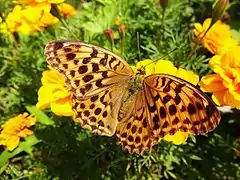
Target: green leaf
236,34
193,139
40,115
194,157
23,146
172,175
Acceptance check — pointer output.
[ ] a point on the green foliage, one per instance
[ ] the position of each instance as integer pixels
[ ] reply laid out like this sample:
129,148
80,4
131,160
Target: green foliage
40,116
25,146
62,149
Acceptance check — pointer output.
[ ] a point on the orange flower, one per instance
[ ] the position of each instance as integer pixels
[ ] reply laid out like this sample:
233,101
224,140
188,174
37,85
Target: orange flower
225,83
218,39
16,128
66,9
54,94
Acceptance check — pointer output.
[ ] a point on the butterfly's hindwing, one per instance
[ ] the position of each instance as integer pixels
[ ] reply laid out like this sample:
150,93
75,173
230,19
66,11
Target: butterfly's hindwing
176,105
134,130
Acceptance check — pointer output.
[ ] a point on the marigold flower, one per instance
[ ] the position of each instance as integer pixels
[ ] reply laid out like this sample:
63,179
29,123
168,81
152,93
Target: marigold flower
167,67
14,21
218,39
66,10
32,2
225,83
28,19
54,94
16,128
39,16
34,17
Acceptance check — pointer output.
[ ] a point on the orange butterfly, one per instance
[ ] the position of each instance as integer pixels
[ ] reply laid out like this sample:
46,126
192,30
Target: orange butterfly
109,98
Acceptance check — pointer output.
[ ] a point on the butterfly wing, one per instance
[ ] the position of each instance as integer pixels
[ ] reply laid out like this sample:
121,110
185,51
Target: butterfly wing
166,104
177,105
97,80
134,131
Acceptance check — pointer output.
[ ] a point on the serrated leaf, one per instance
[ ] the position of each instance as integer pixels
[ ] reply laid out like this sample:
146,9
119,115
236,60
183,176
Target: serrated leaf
40,115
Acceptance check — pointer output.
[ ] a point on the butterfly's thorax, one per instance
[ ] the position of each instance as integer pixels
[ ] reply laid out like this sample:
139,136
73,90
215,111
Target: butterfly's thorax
130,94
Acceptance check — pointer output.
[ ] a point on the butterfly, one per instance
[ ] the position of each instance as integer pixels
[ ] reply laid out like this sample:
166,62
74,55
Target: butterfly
109,99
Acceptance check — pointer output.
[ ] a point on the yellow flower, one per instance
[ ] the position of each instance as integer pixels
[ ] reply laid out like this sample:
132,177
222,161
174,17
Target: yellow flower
218,39
54,94
178,138
66,9
38,16
167,67
225,83
28,19
14,21
33,17
148,64
4,28
16,128
31,2
117,21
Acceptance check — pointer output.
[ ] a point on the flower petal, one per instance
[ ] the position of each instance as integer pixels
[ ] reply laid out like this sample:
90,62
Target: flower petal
178,138
165,67
148,64
211,83
189,76
62,107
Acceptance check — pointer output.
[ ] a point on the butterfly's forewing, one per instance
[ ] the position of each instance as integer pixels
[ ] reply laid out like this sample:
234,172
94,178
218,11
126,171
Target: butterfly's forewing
97,80
176,105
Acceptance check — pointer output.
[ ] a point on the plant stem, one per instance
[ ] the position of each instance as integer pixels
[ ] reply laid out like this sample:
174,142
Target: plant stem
196,44
162,24
138,45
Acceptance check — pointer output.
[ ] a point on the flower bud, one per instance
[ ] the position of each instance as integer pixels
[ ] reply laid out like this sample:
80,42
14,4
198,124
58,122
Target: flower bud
219,9
109,34
225,17
163,3
122,30
117,21
55,11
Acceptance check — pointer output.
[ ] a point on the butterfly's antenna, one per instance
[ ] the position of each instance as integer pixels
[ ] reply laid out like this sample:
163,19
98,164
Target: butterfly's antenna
138,45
